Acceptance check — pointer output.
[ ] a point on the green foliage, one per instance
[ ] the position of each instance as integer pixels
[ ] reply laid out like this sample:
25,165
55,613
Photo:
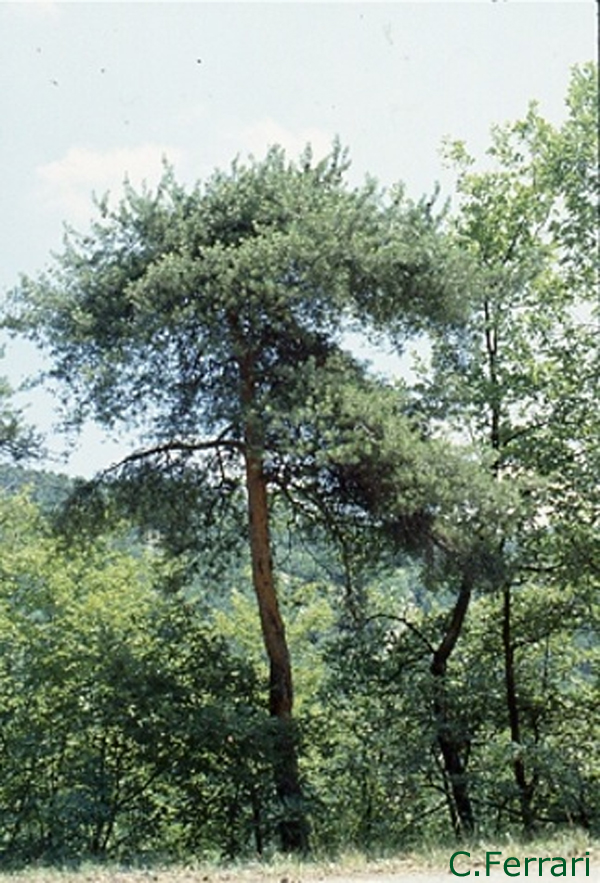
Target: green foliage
521,381
17,440
268,260
127,725
435,546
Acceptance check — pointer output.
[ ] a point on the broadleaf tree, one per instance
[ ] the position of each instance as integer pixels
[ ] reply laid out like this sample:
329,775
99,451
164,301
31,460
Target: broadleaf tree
521,378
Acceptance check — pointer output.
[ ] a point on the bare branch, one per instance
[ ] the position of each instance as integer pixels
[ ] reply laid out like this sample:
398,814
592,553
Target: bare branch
178,446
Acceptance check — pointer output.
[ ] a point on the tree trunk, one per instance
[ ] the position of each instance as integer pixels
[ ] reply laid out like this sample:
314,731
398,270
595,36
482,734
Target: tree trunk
451,743
293,828
525,789
281,696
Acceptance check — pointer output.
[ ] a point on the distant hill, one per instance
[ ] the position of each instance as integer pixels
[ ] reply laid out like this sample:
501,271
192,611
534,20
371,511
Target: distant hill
47,489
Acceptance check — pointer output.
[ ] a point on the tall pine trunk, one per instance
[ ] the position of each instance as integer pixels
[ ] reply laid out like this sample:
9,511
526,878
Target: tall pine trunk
293,828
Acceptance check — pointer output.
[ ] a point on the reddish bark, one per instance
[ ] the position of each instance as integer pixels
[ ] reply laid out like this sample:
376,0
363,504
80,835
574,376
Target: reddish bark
293,828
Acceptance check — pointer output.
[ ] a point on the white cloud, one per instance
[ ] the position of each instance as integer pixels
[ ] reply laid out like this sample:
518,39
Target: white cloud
67,184
36,9
258,137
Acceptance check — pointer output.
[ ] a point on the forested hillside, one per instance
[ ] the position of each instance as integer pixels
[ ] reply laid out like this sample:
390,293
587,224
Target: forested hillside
315,607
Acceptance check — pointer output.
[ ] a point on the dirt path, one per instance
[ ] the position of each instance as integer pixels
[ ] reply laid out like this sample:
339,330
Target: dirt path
404,870
410,875
183,876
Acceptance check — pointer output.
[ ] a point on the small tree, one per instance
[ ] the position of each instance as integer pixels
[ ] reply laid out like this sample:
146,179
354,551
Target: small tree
124,714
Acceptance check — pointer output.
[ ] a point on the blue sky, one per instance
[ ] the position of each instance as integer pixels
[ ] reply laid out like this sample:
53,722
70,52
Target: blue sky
95,91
